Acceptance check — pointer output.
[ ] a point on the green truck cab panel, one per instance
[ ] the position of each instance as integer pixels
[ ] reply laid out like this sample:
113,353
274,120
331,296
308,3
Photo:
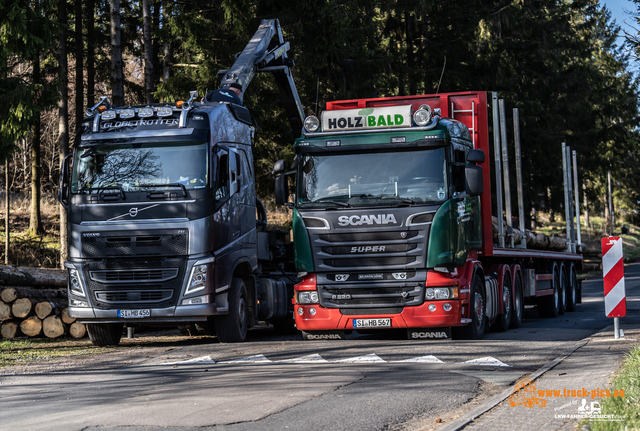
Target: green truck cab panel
302,246
455,230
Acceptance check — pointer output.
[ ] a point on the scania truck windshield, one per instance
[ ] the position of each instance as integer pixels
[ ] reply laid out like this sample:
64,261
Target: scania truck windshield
141,166
415,177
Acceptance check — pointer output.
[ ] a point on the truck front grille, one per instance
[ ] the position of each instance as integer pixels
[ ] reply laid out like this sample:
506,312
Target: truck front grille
135,283
152,243
371,295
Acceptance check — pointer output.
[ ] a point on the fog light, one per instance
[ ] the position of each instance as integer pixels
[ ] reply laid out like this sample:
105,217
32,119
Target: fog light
312,311
300,311
446,306
76,303
197,300
432,307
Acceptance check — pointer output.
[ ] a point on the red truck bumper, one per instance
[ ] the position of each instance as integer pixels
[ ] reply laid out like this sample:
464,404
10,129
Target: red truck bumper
314,317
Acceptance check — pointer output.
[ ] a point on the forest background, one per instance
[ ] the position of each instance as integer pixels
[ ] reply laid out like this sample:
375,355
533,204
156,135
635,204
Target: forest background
558,61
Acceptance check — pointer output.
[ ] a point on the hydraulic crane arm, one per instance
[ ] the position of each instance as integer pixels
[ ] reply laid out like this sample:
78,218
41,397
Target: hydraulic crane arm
262,54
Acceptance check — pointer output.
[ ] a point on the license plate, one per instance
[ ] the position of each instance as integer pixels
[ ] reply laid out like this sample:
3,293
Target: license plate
134,314
372,323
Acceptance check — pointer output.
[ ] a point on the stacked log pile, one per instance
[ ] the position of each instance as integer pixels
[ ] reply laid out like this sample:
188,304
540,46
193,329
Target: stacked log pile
536,241
33,303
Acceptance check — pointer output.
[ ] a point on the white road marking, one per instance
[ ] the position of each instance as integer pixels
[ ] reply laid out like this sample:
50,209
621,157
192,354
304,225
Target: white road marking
368,359
257,359
308,359
429,359
487,360
200,360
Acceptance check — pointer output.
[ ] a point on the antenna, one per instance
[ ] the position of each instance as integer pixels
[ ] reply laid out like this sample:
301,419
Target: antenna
315,114
442,74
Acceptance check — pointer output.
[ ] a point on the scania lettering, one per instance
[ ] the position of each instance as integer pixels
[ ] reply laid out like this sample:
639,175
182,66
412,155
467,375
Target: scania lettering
162,212
398,216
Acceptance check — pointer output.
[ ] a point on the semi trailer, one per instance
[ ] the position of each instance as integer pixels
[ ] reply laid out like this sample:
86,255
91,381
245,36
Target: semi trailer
392,223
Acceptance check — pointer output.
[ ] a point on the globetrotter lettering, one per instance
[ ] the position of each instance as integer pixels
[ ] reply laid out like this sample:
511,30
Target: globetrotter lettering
117,124
356,220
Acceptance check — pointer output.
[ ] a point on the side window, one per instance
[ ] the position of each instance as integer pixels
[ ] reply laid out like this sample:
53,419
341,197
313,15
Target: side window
221,180
241,171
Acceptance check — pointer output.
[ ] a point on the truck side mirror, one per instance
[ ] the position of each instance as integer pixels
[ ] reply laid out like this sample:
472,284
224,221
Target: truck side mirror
475,156
233,172
281,189
64,182
278,167
474,185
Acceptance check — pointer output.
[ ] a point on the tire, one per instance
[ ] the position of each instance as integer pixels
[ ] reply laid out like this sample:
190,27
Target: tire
475,329
105,334
232,328
504,320
562,293
572,288
518,303
549,305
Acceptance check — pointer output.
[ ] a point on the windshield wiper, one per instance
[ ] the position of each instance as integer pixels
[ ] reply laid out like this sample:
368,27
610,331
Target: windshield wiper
342,204
405,200
184,189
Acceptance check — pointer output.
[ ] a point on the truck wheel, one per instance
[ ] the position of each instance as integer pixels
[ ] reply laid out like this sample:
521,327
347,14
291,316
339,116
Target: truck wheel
572,288
504,320
105,334
518,303
475,329
549,305
232,328
562,293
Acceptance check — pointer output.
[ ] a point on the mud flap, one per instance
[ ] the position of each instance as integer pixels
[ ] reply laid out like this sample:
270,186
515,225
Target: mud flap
323,335
429,333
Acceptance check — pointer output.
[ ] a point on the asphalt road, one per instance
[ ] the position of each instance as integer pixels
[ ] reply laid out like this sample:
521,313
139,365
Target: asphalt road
367,382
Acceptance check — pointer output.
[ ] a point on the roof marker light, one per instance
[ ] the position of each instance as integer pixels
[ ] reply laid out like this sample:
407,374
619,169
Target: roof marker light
108,115
127,113
145,112
164,111
311,124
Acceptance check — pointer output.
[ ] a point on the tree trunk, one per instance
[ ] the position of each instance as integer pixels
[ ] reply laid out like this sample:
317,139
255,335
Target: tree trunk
35,223
91,54
43,309
21,307
7,207
117,78
167,49
9,295
25,276
77,330
79,69
52,327
148,50
31,327
9,330
63,120
586,206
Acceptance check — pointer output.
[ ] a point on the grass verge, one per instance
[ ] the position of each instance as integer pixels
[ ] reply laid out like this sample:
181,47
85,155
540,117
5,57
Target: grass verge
23,352
627,407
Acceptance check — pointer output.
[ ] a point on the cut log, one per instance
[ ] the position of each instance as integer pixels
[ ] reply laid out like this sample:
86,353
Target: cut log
5,311
9,294
52,327
21,307
57,295
25,276
9,330
43,309
65,317
77,330
31,327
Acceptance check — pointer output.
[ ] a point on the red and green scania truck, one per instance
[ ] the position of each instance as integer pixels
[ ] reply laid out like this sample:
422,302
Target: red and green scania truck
392,223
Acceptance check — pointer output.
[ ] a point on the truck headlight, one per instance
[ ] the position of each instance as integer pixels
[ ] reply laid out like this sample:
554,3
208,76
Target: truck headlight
311,124
75,283
422,116
308,297
437,293
198,279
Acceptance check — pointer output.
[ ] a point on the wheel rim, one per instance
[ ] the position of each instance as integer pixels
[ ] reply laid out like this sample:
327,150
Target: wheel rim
242,310
479,309
563,288
506,301
518,302
556,287
574,283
